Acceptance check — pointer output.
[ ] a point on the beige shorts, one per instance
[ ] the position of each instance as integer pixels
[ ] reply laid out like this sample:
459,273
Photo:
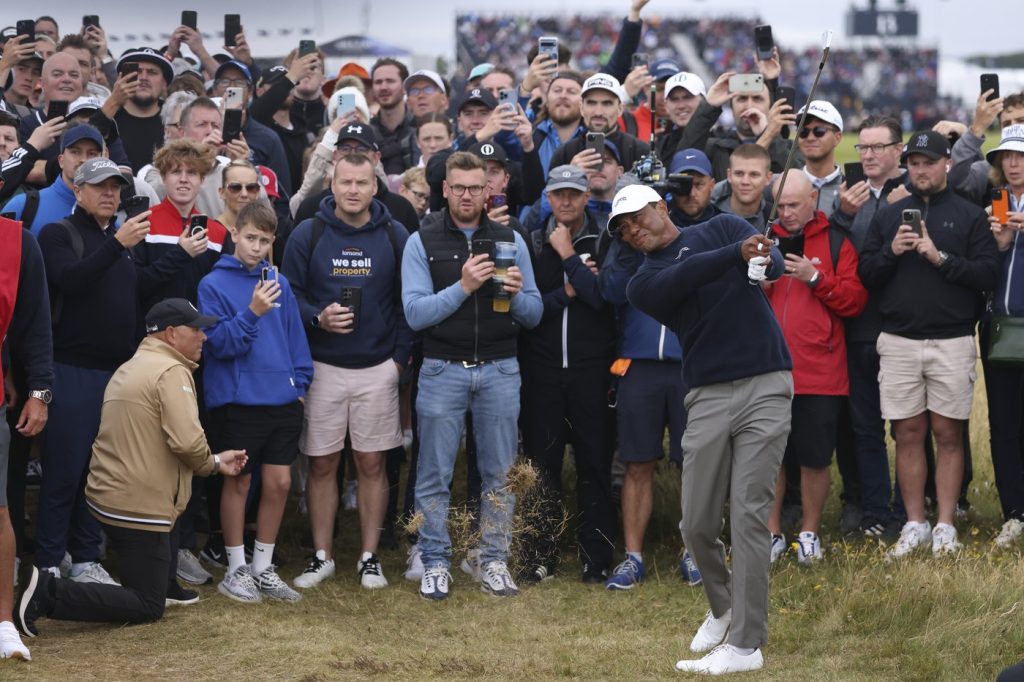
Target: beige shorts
936,375
360,402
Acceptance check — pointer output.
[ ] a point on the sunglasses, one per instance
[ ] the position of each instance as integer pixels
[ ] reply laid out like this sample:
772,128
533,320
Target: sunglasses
236,187
819,131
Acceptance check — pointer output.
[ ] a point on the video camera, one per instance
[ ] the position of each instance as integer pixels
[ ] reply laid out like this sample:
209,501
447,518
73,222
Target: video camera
650,171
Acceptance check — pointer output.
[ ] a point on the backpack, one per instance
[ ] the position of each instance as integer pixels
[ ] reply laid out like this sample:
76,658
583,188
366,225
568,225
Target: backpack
57,298
31,207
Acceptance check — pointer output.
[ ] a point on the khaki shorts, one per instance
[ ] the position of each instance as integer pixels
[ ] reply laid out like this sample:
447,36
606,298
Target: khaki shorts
936,375
360,402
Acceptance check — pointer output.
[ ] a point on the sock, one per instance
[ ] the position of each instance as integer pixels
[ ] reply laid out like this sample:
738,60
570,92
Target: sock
742,651
262,553
236,557
78,568
636,556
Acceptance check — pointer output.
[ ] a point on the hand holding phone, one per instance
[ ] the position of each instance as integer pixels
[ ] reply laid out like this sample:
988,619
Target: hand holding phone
990,81
752,83
352,298
763,41
1000,205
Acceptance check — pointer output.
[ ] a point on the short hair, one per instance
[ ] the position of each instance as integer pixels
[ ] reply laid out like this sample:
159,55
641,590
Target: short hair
259,215
403,70
434,117
564,53
50,19
1013,100
294,54
174,102
463,161
197,103
74,41
502,69
573,76
184,152
413,176
878,121
236,163
354,160
751,151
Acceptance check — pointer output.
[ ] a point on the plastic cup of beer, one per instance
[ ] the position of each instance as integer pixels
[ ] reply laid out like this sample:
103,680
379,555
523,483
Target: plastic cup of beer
504,258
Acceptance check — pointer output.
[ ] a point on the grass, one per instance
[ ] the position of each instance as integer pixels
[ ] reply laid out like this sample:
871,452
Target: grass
852,618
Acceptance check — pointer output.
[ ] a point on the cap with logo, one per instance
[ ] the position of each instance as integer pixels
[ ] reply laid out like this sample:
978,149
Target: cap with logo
272,75
268,180
150,56
233,64
928,142
612,149
84,104
361,132
825,111
82,131
95,171
432,76
630,200
567,177
602,81
1012,141
690,82
478,96
690,160
664,69
176,312
488,151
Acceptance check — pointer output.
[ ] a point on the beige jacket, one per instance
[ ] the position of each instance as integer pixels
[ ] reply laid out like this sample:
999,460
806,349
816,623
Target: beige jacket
150,442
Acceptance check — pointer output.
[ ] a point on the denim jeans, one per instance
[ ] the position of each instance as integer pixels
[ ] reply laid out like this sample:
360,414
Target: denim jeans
447,390
869,429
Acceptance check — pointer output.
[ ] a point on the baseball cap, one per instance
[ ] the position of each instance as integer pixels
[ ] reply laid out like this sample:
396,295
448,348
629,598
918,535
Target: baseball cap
82,131
928,142
347,69
664,68
690,82
95,171
478,96
272,75
690,160
602,81
268,180
823,110
147,54
480,70
432,76
84,104
233,64
361,132
176,312
610,146
1012,141
630,200
567,177
488,151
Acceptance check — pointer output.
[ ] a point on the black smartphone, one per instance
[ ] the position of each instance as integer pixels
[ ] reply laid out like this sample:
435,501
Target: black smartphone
232,125
351,298
787,93
190,18
91,20
483,246
990,81
854,173
763,41
912,217
130,67
306,47
641,59
27,27
595,141
135,206
793,245
56,109
197,224
232,27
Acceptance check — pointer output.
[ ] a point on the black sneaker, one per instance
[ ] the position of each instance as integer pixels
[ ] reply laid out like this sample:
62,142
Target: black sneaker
594,575
538,573
213,553
872,526
35,601
179,596
850,518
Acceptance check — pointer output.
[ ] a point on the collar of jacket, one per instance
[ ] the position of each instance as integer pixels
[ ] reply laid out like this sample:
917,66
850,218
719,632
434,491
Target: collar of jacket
152,344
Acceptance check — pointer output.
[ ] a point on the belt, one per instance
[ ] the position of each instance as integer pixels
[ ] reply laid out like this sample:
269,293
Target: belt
470,365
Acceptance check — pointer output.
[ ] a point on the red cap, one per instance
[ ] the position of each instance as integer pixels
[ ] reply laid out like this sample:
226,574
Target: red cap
268,179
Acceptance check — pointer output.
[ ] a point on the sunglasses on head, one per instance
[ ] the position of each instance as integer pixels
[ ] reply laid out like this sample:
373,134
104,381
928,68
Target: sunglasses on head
819,131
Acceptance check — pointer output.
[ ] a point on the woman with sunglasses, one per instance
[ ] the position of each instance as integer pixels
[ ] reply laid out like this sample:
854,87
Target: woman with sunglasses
240,185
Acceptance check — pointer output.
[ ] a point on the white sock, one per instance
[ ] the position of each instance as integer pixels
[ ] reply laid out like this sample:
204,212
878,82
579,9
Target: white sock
636,556
742,651
262,553
78,568
236,557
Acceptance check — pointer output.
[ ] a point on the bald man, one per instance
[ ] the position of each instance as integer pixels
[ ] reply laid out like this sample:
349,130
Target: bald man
820,287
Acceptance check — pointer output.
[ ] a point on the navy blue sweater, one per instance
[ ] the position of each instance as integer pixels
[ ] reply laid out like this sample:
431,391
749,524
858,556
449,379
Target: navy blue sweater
698,286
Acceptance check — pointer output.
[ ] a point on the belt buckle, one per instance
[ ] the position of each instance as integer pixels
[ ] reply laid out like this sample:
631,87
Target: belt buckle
470,365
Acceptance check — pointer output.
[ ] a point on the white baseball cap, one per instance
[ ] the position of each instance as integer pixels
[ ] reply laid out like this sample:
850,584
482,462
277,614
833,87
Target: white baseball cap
690,82
602,81
819,108
432,76
630,200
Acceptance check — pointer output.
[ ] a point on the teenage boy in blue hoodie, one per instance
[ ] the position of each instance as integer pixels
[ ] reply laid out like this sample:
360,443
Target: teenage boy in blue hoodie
258,368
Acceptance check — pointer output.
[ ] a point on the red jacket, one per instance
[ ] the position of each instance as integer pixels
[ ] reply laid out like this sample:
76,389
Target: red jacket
811,318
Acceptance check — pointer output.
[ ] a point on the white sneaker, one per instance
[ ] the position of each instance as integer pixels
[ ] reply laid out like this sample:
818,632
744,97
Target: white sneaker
11,645
808,549
414,564
915,534
711,632
1010,534
190,570
778,548
944,540
371,575
471,564
350,498
240,586
319,569
65,566
94,573
722,660
434,583
495,579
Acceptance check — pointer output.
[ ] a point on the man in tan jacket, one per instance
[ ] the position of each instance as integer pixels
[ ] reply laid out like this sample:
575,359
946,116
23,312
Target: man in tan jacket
150,443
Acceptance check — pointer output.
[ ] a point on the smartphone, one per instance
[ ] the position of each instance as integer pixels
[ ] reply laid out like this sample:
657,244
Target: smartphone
135,206
234,98
351,298
912,217
197,224
1000,205
496,201
130,67
746,82
306,47
763,41
483,246
27,27
990,81
232,125
595,141
854,173
509,96
91,20
56,109
190,18
793,245
545,45
640,59
346,103
787,93
232,27
268,274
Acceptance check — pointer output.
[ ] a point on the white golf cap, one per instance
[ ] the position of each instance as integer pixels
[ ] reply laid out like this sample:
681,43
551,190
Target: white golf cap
432,76
820,109
690,82
602,81
630,200
1012,141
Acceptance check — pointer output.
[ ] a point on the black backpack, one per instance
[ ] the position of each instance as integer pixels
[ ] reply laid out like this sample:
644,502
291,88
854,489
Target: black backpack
57,298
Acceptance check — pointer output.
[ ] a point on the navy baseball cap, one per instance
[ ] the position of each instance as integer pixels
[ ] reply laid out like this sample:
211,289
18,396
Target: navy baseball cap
176,312
690,160
664,69
82,131
478,96
233,64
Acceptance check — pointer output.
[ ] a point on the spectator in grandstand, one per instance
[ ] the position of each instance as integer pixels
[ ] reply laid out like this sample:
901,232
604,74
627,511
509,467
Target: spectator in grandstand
170,113
22,65
678,100
434,133
394,121
497,79
240,185
745,191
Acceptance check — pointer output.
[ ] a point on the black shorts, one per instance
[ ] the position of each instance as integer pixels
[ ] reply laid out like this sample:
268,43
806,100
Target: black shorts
268,434
812,437
650,397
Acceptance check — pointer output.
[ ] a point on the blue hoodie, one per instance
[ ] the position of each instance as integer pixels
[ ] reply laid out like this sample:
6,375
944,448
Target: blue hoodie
348,256
250,360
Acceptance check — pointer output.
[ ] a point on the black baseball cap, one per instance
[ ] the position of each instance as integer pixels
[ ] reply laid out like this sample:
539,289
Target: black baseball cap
361,132
272,75
478,96
176,312
151,56
928,142
489,151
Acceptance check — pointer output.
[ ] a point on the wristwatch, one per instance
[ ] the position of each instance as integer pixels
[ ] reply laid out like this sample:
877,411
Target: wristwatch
943,257
216,464
815,278
316,321
44,395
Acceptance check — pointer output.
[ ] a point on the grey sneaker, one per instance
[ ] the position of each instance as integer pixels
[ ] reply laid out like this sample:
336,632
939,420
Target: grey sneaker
190,570
94,573
240,586
269,583
495,579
